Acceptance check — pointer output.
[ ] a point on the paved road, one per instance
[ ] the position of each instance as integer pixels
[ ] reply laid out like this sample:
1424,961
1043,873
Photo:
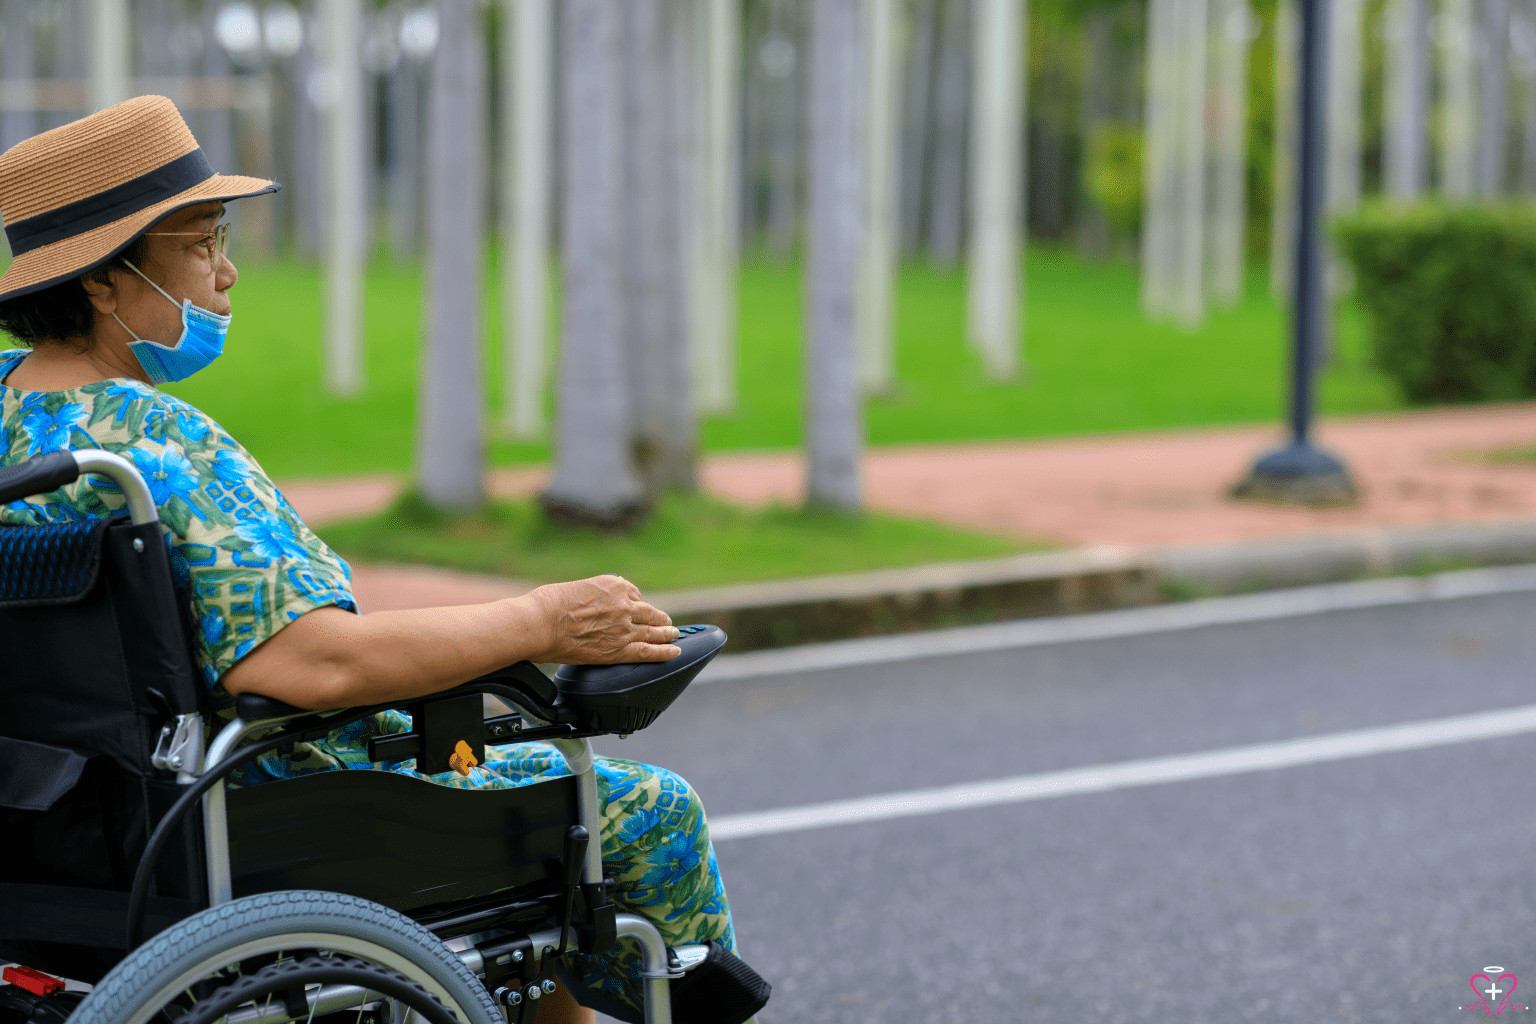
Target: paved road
1360,890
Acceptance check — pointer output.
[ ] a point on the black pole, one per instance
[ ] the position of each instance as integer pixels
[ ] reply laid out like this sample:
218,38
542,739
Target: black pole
1306,318
1300,472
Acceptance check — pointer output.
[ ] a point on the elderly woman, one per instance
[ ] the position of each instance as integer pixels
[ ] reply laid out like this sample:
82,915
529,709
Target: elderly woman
121,283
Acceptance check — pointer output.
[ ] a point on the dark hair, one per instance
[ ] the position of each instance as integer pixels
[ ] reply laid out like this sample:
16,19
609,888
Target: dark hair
63,311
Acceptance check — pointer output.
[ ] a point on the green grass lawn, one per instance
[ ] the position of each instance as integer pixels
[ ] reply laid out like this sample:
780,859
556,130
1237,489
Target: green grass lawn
1093,364
686,542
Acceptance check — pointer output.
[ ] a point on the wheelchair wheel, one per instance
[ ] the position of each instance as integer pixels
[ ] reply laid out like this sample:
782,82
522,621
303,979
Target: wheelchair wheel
278,957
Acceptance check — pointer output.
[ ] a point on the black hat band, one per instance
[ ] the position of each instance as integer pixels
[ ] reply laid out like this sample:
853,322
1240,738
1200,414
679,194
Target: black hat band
119,201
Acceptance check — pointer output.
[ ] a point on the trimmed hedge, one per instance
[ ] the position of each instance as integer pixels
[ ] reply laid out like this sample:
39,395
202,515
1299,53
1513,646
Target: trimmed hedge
1450,297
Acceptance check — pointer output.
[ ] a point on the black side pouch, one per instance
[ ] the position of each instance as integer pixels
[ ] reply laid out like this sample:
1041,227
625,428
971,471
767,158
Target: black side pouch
721,990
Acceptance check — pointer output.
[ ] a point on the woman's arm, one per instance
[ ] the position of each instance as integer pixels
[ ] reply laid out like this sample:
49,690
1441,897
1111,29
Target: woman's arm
331,658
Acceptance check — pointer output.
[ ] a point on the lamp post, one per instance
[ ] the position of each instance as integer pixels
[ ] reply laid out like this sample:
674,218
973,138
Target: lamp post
1298,471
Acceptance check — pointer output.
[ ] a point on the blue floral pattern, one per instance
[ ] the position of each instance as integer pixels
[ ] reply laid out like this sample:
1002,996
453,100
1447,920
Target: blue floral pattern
248,562
250,566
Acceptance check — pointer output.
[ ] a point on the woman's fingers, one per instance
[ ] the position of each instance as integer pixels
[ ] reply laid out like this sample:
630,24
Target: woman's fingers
649,652
645,614
658,634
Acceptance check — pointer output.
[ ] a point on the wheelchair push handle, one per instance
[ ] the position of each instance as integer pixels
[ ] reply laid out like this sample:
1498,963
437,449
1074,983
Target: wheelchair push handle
45,473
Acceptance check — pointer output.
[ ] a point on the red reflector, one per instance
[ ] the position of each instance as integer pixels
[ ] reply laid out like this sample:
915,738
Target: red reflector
36,982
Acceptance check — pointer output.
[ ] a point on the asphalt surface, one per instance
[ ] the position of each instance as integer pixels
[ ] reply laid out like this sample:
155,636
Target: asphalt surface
1360,890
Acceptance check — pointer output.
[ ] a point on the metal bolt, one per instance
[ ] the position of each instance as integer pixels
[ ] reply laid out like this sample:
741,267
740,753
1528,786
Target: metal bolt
548,986
533,992
138,544
176,762
517,956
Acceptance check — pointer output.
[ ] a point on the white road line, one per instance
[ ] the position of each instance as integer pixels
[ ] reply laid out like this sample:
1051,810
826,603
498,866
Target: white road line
1274,604
1126,774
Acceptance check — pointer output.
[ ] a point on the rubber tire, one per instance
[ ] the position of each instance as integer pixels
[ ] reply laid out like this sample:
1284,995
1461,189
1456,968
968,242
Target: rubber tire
205,937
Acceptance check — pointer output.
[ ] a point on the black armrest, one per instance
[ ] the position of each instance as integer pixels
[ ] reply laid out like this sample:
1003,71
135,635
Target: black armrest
535,690
253,707
38,475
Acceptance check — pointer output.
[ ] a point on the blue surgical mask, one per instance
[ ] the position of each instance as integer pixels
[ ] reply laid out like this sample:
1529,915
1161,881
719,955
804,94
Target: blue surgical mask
201,341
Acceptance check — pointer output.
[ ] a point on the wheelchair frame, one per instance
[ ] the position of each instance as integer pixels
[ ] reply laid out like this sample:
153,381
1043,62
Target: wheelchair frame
201,774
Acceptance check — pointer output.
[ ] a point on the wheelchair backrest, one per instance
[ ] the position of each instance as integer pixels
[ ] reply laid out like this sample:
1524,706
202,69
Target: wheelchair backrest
90,624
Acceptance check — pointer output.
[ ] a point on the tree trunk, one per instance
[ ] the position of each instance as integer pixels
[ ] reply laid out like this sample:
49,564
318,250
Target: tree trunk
1492,135
1227,258
834,192
1345,45
1458,111
1099,69
526,44
68,21
594,480
1405,122
782,99
997,184
346,191
450,454
665,433
17,51
917,107
946,207
712,107
1282,215
110,39
1189,289
217,134
309,184
405,163
1528,114
876,304
1158,161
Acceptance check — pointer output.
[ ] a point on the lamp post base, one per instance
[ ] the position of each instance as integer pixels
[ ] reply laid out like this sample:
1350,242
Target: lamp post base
1298,474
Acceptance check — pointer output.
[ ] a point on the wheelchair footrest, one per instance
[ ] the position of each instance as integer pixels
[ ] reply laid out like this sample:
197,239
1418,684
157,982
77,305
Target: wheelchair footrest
721,990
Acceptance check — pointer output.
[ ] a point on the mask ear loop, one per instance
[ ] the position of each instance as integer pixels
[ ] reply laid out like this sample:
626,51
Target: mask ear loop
152,284
138,340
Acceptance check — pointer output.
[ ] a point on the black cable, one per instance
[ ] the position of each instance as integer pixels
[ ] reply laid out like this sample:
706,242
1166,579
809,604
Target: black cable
138,896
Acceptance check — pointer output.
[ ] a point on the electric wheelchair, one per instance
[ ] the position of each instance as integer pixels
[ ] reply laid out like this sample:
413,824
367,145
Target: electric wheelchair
339,896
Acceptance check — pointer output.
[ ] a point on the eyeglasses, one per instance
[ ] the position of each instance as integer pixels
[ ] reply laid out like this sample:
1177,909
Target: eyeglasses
214,241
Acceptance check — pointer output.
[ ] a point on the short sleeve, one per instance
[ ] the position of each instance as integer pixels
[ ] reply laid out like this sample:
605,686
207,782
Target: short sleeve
248,562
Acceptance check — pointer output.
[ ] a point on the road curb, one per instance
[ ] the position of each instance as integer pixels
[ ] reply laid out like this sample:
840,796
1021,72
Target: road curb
820,609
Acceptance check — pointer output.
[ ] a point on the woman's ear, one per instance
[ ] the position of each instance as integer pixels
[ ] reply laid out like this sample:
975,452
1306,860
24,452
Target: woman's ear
101,290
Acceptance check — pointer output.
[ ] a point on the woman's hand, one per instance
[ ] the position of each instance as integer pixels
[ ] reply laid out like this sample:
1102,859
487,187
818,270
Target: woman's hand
601,621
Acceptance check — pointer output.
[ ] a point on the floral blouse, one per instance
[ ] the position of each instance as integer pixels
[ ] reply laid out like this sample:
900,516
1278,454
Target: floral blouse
245,558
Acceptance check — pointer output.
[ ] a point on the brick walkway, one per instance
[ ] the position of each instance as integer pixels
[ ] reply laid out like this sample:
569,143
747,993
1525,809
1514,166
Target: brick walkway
1131,489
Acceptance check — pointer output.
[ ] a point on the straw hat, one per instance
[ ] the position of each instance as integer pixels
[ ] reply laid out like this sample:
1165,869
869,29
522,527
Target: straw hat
78,195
